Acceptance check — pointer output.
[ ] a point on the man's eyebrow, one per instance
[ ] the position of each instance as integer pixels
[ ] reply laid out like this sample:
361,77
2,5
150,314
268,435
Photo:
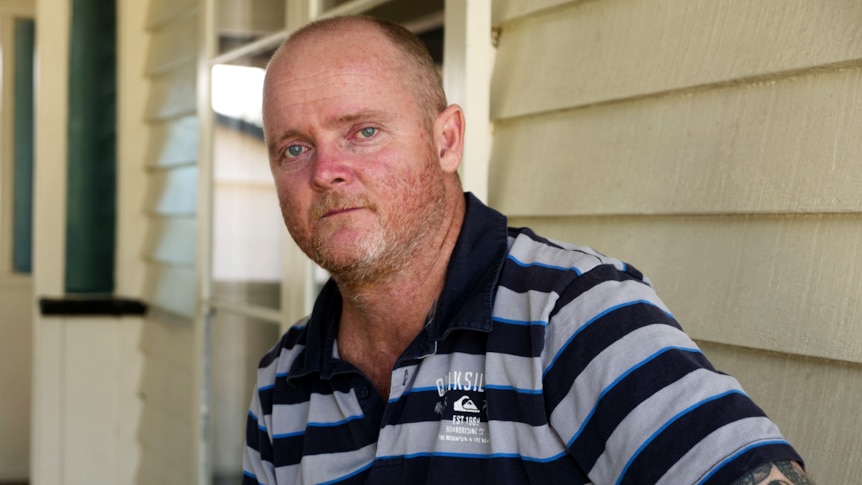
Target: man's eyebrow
374,115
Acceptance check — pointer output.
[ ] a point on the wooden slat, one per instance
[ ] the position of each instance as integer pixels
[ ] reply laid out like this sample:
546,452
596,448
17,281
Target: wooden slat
784,284
171,288
167,337
165,384
173,142
604,50
173,93
815,404
164,11
173,191
174,43
165,435
786,146
508,10
171,240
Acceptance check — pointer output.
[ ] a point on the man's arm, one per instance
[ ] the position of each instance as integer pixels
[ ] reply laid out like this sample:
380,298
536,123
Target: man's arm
784,472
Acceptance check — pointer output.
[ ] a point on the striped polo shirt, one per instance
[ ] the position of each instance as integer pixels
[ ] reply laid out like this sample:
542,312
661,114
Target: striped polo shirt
544,363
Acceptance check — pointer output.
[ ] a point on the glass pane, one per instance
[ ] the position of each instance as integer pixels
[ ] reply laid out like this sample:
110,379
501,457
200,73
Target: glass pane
241,22
238,343
248,232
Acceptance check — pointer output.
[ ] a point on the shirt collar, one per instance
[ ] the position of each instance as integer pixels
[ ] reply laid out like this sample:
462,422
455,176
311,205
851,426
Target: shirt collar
465,303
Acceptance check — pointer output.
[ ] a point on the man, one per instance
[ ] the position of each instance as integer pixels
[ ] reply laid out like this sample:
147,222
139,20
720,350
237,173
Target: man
448,348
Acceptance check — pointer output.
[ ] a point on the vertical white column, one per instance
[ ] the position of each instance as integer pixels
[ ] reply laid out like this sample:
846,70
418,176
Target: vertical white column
49,222
468,59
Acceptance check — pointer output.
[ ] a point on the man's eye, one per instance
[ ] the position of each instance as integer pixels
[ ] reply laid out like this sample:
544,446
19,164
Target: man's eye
367,132
294,150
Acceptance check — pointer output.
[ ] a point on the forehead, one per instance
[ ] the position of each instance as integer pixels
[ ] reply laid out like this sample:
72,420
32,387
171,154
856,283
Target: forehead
352,65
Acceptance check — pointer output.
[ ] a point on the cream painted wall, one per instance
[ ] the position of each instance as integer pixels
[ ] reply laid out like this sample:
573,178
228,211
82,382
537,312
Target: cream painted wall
714,145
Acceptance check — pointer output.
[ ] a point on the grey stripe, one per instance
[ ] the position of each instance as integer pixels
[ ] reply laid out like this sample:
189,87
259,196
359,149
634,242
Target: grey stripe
494,437
731,438
590,304
606,368
650,415
524,307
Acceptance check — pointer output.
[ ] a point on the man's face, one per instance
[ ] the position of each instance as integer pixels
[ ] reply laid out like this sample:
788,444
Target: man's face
358,181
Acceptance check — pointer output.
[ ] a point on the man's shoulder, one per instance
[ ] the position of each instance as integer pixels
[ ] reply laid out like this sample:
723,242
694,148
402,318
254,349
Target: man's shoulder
291,343
530,250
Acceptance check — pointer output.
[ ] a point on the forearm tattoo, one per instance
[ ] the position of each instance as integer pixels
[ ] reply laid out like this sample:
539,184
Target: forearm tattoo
784,472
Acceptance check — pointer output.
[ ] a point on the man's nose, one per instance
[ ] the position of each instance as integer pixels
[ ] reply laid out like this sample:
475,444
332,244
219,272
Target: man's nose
331,168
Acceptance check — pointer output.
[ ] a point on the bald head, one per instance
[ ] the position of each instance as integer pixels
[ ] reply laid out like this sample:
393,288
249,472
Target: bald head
416,67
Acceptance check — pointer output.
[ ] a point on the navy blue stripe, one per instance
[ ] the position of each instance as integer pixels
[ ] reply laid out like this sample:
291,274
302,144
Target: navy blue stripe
592,340
452,469
683,433
660,371
516,340
520,407
587,281
522,279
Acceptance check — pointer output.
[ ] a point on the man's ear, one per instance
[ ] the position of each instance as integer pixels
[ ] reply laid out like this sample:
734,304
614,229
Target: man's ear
449,137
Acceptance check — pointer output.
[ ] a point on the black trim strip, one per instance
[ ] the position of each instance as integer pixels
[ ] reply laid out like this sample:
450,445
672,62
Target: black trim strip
81,306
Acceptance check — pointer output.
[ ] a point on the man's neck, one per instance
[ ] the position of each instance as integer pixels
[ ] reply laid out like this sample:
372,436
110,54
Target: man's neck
380,319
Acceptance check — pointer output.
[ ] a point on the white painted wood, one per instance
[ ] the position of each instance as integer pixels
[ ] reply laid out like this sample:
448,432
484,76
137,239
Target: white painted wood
47,454
16,349
165,11
171,288
173,44
508,10
467,62
786,146
166,337
171,240
598,51
91,411
132,145
173,191
165,431
173,142
783,284
173,93
814,402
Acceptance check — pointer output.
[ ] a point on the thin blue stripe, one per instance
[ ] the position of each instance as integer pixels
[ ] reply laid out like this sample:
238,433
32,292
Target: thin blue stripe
336,423
511,388
253,476
476,455
288,435
520,322
349,475
252,415
590,322
739,453
668,423
270,386
620,378
543,265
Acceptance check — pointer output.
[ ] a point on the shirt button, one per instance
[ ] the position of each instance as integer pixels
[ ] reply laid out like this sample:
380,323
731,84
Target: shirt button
362,392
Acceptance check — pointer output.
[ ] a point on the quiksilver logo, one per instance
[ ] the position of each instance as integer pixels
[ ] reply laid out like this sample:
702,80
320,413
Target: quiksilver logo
465,405
461,381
